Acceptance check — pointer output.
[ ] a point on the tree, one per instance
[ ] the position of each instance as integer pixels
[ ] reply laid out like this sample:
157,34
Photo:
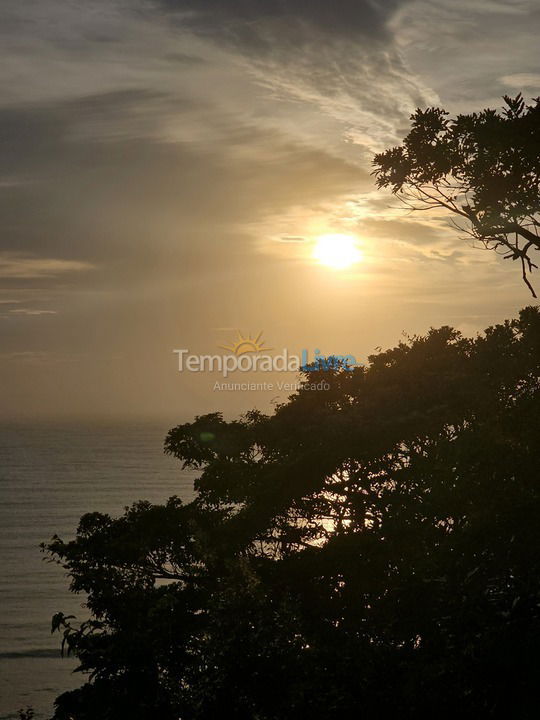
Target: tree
369,549
482,167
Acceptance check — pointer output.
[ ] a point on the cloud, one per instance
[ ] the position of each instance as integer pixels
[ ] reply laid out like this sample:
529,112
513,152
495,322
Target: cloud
153,154
463,48
111,197
521,81
13,266
331,72
241,20
38,357
325,75
403,229
32,311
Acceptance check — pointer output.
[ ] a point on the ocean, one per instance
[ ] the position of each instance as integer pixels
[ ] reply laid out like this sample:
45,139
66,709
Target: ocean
50,475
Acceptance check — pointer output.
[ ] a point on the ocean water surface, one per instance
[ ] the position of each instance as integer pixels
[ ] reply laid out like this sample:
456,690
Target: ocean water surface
51,474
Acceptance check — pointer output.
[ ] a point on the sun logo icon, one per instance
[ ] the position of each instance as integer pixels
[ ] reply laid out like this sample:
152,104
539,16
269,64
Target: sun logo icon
244,344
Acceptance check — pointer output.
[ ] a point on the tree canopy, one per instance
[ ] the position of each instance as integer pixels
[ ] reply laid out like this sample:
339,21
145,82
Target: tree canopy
369,549
483,167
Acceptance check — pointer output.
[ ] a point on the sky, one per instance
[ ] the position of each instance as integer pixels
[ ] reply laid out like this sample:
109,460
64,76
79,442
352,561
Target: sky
167,167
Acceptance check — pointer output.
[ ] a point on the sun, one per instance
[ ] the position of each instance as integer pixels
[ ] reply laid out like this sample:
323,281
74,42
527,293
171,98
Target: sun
247,344
337,251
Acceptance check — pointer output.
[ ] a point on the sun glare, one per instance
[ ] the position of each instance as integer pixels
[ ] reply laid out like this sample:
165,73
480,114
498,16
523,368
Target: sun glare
337,251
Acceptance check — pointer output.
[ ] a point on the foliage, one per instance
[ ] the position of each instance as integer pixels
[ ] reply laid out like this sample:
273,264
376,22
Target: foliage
482,167
369,549
27,714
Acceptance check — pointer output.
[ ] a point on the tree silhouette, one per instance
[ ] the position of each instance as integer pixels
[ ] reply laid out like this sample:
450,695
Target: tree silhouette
482,167
369,549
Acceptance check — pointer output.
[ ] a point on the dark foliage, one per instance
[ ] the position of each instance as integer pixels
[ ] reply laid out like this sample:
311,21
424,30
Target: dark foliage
483,167
366,550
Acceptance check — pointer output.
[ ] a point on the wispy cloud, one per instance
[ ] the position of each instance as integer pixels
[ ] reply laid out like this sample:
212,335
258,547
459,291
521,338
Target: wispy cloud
521,81
14,266
32,312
